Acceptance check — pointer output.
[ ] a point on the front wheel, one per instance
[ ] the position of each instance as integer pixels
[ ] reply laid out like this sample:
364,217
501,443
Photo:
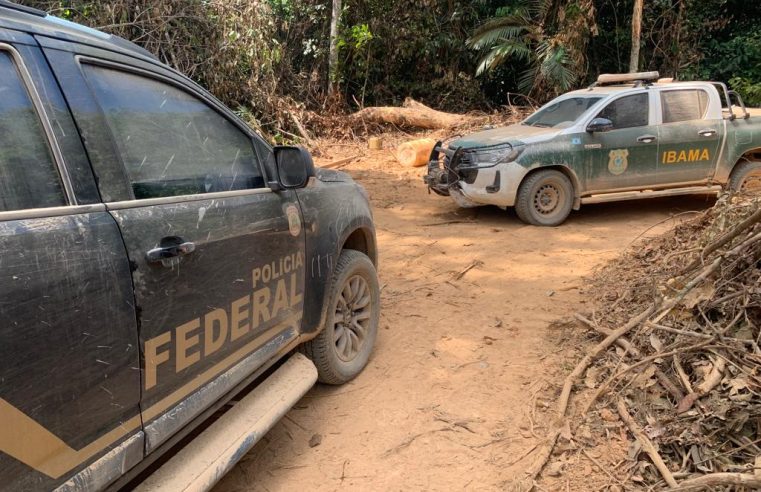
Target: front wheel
545,198
746,177
343,347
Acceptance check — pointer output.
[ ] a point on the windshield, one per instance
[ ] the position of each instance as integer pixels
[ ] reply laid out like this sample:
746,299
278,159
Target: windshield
561,114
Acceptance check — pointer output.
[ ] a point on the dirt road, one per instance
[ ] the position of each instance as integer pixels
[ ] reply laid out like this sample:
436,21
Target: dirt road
465,363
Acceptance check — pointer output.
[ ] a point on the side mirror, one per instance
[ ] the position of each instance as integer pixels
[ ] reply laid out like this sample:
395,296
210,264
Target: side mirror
294,166
599,125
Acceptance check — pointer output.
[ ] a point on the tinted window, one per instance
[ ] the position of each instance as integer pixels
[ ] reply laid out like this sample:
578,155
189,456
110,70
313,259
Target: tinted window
172,143
628,111
684,105
561,114
28,175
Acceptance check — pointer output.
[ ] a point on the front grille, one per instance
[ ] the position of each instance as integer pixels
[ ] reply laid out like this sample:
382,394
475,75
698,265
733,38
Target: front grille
463,169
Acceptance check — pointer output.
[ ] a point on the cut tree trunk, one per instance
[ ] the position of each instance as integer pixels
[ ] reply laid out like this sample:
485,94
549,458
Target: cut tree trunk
413,114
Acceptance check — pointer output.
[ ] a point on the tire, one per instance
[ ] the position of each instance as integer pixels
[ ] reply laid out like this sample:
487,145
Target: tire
746,176
334,351
545,198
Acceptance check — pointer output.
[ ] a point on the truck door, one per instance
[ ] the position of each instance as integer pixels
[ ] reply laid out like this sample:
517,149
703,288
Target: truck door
69,360
217,257
626,156
689,137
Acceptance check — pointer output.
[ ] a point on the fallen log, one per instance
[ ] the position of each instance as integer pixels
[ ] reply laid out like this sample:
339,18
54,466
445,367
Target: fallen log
413,114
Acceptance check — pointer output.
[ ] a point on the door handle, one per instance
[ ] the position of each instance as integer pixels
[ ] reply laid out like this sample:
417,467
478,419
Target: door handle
646,139
708,132
170,247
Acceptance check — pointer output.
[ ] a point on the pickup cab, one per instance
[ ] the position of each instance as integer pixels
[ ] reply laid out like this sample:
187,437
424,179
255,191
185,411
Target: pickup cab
156,257
628,136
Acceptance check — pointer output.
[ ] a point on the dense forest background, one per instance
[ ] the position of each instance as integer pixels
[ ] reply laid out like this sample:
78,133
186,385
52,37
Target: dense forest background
261,56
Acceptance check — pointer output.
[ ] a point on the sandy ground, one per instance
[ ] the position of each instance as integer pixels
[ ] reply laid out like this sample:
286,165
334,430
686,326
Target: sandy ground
466,363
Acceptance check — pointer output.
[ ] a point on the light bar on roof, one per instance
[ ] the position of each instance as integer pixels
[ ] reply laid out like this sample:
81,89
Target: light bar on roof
618,78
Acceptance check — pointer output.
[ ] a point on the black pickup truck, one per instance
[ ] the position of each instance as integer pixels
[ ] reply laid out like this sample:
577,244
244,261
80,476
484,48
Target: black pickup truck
156,257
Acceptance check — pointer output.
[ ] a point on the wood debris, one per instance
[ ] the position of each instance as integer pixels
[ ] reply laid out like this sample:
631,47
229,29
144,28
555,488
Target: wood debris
686,379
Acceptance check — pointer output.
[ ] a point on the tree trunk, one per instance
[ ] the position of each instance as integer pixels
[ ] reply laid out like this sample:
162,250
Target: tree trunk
636,34
413,114
335,19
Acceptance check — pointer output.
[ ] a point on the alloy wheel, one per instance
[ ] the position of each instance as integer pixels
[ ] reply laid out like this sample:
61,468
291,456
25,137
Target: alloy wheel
351,318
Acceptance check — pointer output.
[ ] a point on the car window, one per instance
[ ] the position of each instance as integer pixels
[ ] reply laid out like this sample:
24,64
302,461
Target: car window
684,105
628,111
28,174
562,113
172,143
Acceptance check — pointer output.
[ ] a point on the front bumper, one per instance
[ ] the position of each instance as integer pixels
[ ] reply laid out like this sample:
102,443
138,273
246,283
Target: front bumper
472,186
441,176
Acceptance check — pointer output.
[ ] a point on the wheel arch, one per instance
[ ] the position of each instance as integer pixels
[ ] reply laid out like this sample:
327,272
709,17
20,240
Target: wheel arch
363,240
570,174
358,236
750,155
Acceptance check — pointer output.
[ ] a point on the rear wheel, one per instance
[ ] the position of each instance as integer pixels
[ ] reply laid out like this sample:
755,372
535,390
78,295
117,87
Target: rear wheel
746,177
545,198
343,347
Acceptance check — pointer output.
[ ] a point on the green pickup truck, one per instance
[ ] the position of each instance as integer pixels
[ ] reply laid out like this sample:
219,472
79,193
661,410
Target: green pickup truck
628,136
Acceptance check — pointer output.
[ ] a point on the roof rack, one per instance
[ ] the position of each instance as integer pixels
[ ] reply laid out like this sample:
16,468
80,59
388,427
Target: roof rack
638,79
22,8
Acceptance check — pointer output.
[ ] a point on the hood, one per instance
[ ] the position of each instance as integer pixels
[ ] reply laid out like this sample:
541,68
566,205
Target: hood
332,176
514,134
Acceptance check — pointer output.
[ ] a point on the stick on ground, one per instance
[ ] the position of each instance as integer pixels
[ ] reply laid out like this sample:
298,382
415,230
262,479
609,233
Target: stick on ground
746,480
646,443
598,349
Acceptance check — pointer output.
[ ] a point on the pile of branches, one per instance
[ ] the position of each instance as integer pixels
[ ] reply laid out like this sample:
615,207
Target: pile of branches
680,362
679,365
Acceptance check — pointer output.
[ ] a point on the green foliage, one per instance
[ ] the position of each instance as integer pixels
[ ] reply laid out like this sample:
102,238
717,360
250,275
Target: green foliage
750,91
546,35
686,39
263,55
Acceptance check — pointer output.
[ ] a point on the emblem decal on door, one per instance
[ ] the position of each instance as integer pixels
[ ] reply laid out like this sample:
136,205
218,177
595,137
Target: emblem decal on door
294,221
618,162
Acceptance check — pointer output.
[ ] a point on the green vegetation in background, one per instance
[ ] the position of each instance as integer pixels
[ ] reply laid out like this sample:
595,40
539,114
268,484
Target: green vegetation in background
262,56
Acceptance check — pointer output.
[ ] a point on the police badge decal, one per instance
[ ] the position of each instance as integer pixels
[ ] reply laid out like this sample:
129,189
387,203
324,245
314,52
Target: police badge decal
619,161
294,221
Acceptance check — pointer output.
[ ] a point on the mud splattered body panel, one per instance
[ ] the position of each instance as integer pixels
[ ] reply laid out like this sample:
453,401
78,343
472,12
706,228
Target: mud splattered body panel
170,272
244,278
334,211
69,356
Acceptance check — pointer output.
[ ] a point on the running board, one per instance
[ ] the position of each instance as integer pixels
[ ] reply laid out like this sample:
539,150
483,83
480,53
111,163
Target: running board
638,195
206,459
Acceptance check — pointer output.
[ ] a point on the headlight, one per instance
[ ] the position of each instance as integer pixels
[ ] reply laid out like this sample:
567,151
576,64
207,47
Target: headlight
491,156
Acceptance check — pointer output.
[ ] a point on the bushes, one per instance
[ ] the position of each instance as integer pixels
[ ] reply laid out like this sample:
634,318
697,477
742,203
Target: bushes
261,56
225,45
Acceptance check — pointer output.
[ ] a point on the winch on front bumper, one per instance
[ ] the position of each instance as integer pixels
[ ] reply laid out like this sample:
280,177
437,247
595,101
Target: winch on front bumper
442,174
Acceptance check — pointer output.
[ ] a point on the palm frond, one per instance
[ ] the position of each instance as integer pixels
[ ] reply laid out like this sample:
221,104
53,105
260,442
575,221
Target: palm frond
499,29
540,8
516,49
555,66
527,80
